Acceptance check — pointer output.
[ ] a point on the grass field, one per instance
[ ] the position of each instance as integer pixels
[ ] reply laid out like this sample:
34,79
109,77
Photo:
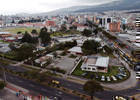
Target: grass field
23,29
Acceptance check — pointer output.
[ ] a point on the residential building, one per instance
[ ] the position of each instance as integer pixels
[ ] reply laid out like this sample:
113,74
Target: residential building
114,27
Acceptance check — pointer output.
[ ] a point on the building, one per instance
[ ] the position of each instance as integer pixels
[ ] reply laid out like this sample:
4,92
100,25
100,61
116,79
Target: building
43,60
114,27
50,23
137,24
82,28
75,50
95,64
104,22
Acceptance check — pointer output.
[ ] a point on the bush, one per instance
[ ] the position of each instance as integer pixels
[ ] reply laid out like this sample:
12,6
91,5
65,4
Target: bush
72,56
2,85
58,70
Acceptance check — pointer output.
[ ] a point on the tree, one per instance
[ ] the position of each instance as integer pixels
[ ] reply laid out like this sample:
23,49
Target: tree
63,28
45,36
90,47
73,27
19,32
96,31
27,38
87,32
124,27
25,51
12,46
2,85
34,31
91,87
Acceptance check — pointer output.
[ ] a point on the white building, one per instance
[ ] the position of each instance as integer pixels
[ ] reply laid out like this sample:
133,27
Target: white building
95,64
75,50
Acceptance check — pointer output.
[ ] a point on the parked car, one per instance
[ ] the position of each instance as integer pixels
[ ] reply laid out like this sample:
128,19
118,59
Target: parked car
137,76
103,78
122,74
96,76
108,79
137,73
119,77
119,98
114,78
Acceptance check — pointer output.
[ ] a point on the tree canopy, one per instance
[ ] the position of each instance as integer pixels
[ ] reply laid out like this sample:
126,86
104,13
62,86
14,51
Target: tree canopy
91,87
2,85
25,51
29,39
34,31
90,47
86,32
45,36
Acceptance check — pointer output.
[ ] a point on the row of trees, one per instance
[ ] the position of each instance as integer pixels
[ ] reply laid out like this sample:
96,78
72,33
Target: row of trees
43,35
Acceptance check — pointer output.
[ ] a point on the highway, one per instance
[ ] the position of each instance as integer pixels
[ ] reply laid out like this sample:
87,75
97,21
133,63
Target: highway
52,92
39,89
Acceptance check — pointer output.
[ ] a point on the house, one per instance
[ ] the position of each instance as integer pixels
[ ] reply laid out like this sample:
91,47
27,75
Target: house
75,50
95,64
82,28
43,60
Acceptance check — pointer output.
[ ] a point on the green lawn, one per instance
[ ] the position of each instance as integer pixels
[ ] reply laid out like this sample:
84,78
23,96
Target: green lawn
15,30
78,71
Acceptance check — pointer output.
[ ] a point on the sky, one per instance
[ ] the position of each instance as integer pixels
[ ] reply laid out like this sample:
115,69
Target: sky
8,7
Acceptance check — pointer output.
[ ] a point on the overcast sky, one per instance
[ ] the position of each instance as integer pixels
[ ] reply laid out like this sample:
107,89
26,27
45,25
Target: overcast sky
37,6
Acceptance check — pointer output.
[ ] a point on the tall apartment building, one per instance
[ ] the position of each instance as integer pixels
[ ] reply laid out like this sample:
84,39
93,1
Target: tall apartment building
114,27
104,22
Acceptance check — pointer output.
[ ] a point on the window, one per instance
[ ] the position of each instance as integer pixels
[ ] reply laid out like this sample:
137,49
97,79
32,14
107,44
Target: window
93,69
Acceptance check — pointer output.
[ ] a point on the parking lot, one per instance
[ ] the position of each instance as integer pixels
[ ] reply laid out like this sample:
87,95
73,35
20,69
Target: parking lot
66,63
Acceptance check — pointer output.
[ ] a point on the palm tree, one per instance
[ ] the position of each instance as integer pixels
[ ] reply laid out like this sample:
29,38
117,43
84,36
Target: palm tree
91,87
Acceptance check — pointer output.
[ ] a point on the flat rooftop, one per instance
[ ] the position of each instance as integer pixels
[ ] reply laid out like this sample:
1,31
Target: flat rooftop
91,60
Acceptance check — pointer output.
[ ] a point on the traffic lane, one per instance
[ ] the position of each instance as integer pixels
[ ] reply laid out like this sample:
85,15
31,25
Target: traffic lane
14,68
43,90
71,85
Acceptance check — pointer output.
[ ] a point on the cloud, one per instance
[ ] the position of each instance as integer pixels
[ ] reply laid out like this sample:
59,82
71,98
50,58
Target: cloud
36,6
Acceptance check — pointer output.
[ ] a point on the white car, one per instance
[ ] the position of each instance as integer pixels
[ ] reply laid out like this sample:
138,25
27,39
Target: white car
137,73
114,78
108,79
137,76
103,78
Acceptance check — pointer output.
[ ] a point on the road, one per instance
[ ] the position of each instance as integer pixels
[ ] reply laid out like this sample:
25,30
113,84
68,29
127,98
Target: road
39,89
51,92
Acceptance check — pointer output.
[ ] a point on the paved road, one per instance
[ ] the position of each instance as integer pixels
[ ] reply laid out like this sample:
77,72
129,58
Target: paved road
39,89
15,68
50,92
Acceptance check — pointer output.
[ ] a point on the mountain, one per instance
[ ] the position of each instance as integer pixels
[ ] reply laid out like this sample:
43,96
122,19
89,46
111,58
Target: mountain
114,5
